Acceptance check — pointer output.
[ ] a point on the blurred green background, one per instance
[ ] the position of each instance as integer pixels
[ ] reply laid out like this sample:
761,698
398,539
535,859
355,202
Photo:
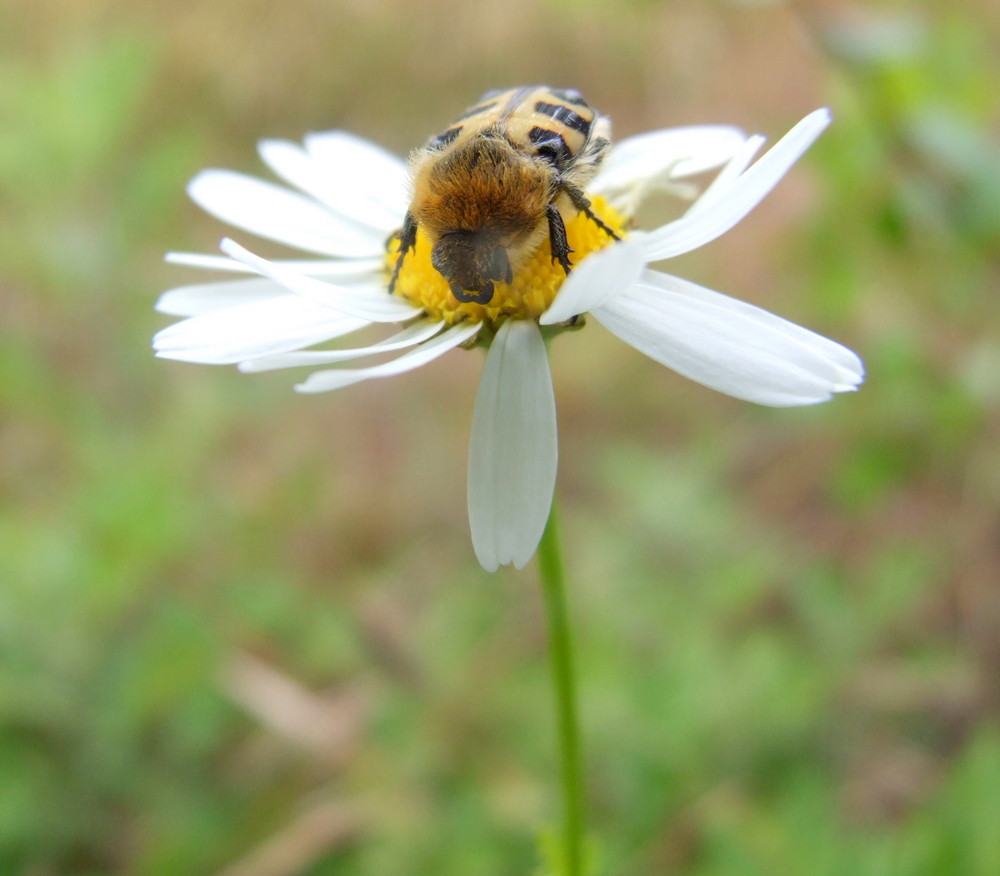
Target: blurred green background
243,632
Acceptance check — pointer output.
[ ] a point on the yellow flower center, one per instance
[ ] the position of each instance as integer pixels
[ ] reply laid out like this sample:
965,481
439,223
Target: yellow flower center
535,283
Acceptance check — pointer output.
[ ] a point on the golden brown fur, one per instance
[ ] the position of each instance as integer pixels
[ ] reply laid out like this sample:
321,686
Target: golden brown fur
488,190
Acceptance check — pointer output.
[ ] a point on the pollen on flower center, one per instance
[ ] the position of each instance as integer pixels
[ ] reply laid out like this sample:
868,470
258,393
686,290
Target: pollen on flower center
535,283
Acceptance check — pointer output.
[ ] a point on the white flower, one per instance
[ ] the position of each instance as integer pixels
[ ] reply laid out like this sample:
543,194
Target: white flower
353,196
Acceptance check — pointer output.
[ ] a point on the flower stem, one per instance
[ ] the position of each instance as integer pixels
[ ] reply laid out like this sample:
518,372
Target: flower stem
550,565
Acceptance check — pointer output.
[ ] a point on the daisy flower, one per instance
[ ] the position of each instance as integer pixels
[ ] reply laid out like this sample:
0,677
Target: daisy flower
351,199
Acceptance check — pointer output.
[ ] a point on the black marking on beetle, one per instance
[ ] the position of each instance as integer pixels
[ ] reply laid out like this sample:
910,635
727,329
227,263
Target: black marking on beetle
444,138
565,116
551,146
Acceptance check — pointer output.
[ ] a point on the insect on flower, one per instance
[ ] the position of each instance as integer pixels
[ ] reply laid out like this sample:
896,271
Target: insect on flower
491,186
520,220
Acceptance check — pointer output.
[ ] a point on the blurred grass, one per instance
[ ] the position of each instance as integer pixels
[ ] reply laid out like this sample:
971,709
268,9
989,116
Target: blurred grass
790,638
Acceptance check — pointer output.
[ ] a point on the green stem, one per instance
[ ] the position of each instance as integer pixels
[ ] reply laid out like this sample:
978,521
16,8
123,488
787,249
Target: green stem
550,565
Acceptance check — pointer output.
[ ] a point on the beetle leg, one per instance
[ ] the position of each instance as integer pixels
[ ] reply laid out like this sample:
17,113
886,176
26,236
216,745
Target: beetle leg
407,240
557,238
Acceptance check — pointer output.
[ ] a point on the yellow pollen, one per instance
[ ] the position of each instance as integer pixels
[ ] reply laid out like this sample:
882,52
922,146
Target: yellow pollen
535,283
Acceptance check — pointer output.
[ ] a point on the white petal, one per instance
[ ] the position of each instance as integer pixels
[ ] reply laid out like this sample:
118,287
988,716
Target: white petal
374,306
344,188
282,215
323,381
410,336
728,205
342,148
261,328
725,179
344,267
597,278
851,367
513,451
677,152
381,175
729,345
200,298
